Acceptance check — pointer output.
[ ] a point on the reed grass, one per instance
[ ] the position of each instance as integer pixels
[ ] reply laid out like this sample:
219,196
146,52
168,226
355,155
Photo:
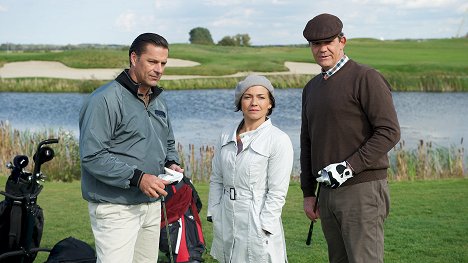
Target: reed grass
49,85
398,81
196,164
425,162
64,167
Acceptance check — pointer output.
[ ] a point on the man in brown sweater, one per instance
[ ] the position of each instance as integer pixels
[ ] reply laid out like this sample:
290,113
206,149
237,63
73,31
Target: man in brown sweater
349,124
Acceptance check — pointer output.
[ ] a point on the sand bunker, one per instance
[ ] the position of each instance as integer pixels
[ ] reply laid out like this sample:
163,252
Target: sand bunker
49,69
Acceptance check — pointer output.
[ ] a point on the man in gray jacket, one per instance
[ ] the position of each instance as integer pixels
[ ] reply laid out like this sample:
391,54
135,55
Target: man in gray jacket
126,140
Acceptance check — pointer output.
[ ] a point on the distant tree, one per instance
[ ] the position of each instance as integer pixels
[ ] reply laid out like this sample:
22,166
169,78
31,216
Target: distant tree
200,35
237,40
242,40
227,41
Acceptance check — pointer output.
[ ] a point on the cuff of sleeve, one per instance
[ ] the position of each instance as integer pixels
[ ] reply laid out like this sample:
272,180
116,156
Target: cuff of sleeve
169,163
136,178
349,165
309,191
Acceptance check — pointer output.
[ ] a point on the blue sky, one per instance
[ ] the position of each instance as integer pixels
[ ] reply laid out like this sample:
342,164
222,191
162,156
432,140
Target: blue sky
268,22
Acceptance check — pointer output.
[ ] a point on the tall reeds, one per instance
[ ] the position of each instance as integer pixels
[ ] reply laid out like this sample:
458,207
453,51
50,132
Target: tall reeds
48,85
425,162
399,81
436,82
197,166
64,167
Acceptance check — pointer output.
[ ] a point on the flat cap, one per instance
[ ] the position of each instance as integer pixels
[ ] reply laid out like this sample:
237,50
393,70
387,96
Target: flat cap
324,27
250,81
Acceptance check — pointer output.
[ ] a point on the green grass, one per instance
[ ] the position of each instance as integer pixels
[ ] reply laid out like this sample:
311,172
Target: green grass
416,65
411,56
427,221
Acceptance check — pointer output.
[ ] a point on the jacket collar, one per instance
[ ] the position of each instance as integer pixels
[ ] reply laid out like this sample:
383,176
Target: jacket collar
125,80
232,136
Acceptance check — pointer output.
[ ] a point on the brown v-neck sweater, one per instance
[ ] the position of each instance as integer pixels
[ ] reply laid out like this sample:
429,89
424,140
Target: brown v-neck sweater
348,117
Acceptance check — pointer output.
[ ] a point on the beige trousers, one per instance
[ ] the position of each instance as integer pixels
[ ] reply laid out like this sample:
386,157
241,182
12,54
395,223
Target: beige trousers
126,233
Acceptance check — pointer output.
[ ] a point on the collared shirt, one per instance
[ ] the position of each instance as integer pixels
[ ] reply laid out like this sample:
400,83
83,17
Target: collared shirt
145,97
340,64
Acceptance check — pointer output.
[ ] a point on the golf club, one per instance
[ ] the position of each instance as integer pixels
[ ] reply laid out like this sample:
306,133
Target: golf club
163,201
311,227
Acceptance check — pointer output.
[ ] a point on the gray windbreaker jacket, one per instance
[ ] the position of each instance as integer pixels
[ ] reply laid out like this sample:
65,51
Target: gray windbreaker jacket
121,139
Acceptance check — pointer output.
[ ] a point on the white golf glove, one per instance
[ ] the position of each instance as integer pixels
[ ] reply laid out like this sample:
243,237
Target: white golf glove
334,174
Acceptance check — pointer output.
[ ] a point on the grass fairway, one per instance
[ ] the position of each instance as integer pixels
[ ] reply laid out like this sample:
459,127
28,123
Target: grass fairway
409,65
405,56
427,223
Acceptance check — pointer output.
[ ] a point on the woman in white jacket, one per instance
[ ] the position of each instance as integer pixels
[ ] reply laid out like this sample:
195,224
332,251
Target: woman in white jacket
248,186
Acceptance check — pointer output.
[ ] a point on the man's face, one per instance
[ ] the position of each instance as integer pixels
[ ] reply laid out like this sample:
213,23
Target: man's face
148,68
328,53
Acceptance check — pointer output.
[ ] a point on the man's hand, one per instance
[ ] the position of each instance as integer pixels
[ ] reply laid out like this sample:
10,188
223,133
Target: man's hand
153,186
309,204
337,174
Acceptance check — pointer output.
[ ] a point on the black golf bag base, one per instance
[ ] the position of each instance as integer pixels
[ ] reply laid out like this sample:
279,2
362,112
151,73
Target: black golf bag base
185,232
21,222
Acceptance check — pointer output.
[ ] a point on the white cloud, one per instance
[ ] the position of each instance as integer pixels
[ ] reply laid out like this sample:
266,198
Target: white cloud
463,8
127,21
248,12
167,4
3,8
415,4
229,22
235,17
222,3
279,2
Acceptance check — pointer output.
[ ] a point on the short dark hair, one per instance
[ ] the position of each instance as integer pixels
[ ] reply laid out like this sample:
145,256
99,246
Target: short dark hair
270,111
139,44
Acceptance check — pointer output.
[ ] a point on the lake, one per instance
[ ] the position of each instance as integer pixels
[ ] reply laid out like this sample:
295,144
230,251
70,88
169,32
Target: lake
199,115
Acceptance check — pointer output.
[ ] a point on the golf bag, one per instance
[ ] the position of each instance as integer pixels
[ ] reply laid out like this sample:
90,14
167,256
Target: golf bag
21,218
182,205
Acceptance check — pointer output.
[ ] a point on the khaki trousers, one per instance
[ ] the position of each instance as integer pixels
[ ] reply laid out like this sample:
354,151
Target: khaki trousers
126,233
352,219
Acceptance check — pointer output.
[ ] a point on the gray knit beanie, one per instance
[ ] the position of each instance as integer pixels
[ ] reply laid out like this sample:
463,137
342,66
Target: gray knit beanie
249,81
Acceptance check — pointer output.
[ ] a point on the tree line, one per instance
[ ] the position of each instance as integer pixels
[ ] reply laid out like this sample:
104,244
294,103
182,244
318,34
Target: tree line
198,35
202,36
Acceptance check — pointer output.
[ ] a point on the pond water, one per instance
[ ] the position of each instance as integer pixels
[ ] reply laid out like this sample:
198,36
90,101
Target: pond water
199,115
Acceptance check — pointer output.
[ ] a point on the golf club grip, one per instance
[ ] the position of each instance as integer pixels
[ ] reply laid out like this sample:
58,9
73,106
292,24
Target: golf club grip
309,235
311,227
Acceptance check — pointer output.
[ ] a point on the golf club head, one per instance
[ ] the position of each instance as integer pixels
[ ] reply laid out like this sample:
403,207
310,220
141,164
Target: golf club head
44,154
20,161
323,177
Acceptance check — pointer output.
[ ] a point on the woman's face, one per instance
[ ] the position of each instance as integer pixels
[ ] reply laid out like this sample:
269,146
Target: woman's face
255,103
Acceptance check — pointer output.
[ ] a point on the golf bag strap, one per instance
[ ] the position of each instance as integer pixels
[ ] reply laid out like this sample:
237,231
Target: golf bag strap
15,225
196,216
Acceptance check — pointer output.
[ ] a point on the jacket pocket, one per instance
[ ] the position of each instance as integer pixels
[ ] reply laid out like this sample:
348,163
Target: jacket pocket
258,241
